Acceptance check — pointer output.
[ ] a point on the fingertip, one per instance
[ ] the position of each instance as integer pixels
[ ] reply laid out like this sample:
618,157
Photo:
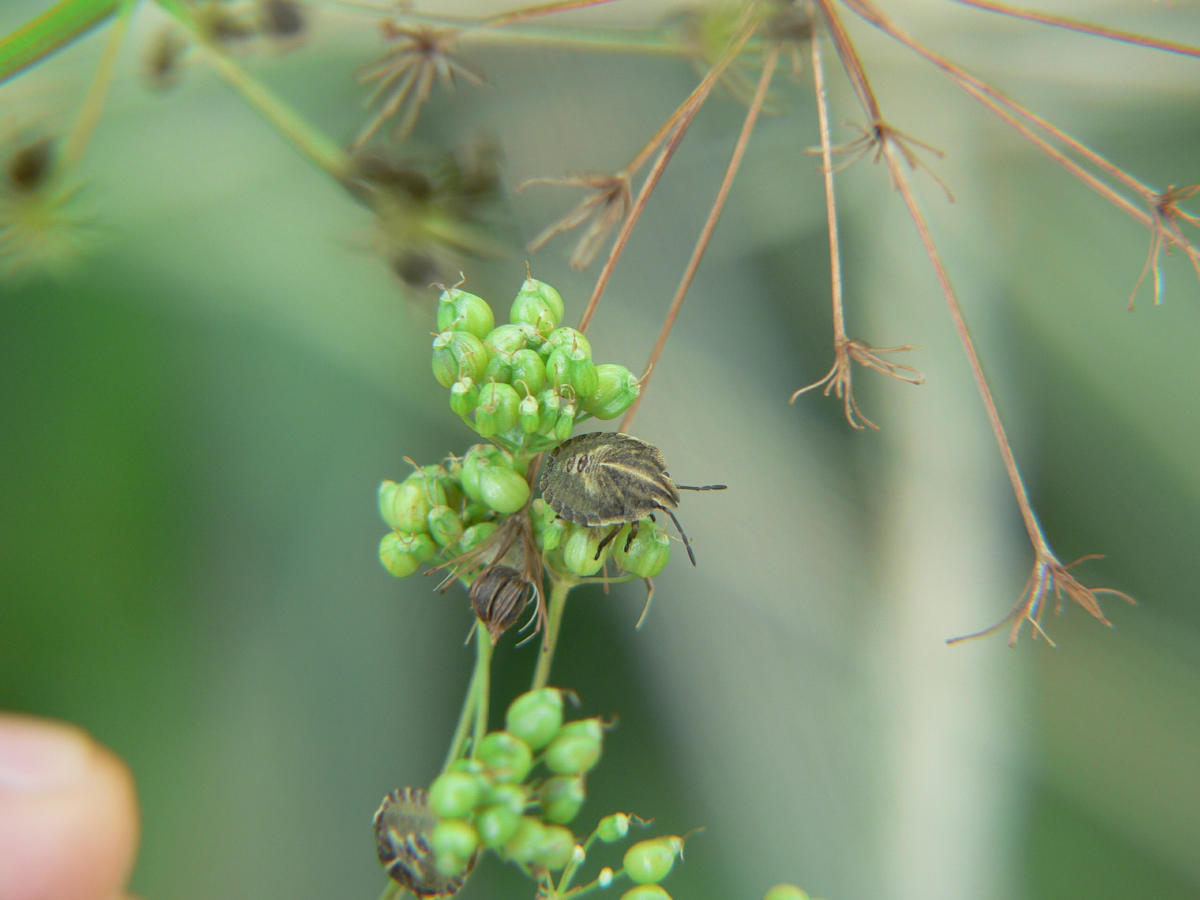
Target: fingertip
68,814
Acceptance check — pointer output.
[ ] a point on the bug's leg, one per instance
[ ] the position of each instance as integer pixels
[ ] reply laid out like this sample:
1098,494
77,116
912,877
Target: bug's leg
633,530
606,541
682,533
702,487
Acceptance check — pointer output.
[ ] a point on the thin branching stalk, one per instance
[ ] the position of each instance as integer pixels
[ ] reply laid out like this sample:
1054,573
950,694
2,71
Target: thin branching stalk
683,116
51,31
93,102
559,588
831,220
1113,34
731,170
540,9
474,712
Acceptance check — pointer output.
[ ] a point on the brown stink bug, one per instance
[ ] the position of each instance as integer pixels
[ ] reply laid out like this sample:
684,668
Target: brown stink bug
604,478
402,826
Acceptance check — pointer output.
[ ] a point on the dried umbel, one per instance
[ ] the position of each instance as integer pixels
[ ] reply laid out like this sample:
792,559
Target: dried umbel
403,824
498,596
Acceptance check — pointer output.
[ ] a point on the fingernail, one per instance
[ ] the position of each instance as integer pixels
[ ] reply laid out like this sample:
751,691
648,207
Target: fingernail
36,755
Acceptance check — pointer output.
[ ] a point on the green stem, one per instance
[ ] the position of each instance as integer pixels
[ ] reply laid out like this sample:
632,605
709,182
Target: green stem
475,704
391,891
308,139
559,588
93,103
51,31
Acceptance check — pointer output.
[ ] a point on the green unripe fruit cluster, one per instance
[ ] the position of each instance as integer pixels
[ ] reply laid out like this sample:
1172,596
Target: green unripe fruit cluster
523,383
649,862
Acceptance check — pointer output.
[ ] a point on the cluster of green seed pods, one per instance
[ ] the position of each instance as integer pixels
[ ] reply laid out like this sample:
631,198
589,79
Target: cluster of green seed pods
524,384
515,796
448,509
575,548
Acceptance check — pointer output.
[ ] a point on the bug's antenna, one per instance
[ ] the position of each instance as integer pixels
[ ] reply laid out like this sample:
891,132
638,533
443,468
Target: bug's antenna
682,534
702,487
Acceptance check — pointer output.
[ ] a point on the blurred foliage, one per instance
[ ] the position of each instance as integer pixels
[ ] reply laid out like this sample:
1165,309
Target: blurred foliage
196,418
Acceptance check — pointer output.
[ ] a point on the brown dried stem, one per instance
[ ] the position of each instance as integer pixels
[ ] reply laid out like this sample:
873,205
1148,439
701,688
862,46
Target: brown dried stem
1167,216
1070,24
735,161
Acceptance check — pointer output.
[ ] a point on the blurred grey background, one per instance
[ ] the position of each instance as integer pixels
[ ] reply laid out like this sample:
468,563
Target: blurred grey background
196,417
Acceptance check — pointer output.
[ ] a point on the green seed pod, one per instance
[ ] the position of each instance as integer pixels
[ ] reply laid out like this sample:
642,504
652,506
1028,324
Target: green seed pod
404,506
469,766
510,796
649,862
454,843
464,396
457,354
499,368
616,389
613,828
576,748
581,373
476,535
785,892
496,825
523,846
529,416
558,368
474,513
460,311
507,757
566,421
550,402
536,716
533,309
555,848
547,298
548,528
528,371
402,553
503,489
507,339
454,795
567,339
499,595
497,409
479,458
562,797
445,526
403,826
581,550
646,554
646,892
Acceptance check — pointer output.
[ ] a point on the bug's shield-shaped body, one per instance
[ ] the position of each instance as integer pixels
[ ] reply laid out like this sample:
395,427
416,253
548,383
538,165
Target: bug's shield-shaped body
605,479
402,825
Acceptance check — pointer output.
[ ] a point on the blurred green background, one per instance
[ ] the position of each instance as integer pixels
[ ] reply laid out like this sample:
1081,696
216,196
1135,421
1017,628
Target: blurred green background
195,420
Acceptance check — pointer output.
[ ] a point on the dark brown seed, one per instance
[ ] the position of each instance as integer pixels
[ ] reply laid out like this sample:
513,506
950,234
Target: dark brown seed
30,165
498,595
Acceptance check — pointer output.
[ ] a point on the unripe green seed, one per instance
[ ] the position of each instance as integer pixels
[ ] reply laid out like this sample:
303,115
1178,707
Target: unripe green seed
468,766
539,304
461,311
510,796
496,825
454,795
785,892
550,402
464,396
475,512
579,550
646,892
476,535
648,862
581,373
562,797
404,506
576,748
499,368
648,552
558,368
535,717
523,846
616,389
529,416
507,339
528,371
503,489
566,421
445,526
453,842
507,757
402,553
457,354
605,878
613,828
497,409
478,459
567,339
555,848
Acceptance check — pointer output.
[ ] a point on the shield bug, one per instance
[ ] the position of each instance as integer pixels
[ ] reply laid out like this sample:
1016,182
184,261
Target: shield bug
402,826
605,478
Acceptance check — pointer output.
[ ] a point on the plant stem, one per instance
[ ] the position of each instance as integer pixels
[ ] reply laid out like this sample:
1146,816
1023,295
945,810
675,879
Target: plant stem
835,254
51,31
475,704
307,138
93,103
559,588
391,891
